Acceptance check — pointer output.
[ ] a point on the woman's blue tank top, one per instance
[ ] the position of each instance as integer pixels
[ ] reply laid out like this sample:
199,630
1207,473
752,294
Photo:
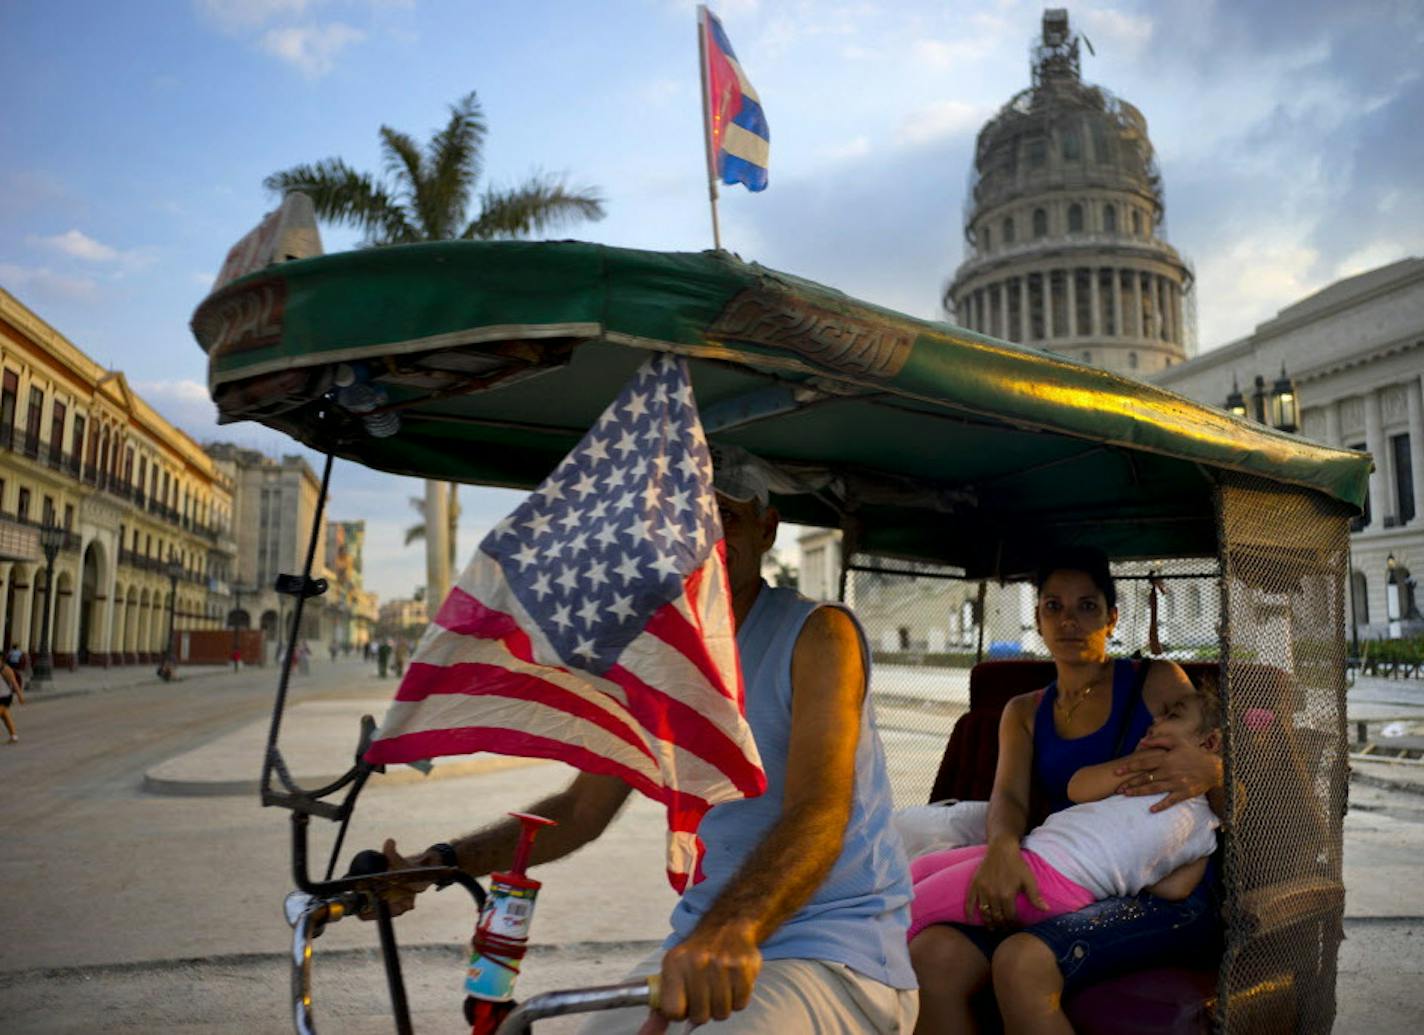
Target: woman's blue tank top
1056,759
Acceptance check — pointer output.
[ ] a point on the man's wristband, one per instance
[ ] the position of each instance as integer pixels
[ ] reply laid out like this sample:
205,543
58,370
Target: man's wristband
446,851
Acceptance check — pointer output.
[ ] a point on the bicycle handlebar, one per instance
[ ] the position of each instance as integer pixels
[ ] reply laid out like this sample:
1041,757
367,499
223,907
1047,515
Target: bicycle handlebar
643,992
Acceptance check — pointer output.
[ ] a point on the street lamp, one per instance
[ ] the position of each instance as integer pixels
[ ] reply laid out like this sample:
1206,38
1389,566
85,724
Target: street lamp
174,571
1285,407
51,541
1277,407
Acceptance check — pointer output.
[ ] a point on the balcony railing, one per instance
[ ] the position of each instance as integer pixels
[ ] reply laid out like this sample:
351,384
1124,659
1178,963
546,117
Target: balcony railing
18,440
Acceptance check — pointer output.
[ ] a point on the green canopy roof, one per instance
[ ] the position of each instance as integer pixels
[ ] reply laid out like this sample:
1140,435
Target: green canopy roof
920,439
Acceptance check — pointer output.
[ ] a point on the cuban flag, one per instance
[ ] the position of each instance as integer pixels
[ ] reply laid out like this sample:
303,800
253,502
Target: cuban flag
594,625
740,143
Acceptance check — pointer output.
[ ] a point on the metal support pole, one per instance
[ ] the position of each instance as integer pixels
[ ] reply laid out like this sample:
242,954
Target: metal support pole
44,664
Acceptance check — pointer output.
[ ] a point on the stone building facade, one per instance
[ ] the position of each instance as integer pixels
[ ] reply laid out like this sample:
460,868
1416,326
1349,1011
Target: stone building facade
356,609
274,502
133,494
1356,353
1065,225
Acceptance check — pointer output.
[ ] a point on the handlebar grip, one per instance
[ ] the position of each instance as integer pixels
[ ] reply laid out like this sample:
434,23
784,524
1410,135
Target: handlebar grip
366,863
655,988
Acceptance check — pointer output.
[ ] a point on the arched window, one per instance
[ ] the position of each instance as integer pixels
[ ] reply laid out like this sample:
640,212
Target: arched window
1110,219
1075,218
1037,153
1040,223
1071,147
1360,597
1132,361
1136,223
988,238
1008,229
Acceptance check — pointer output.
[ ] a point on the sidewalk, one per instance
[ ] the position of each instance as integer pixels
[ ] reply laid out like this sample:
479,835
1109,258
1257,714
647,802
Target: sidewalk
88,679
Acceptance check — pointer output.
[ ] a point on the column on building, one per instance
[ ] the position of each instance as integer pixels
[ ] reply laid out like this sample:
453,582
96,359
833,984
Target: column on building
1375,444
1116,300
1413,391
6,573
1070,280
1021,289
1047,276
1332,423
1094,307
1004,309
22,578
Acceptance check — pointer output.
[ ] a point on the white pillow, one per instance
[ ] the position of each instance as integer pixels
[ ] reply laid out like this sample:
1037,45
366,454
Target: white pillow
933,828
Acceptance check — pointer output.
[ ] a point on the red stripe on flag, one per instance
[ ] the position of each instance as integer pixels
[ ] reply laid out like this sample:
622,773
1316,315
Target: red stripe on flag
462,613
672,627
478,679
669,719
685,811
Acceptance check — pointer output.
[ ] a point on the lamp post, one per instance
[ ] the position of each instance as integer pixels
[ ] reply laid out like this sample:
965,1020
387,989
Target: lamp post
174,571
51,541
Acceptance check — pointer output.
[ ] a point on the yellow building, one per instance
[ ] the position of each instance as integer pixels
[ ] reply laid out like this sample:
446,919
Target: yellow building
143,509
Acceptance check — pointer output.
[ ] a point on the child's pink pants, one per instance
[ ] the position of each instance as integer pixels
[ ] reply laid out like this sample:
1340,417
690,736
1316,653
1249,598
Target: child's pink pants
942,880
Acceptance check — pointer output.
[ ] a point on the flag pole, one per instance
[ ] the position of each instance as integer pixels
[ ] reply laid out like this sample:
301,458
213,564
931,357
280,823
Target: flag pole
707,123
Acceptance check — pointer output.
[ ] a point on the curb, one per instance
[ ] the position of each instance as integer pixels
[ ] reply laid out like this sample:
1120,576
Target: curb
1384,783
189,787
239,959
39,697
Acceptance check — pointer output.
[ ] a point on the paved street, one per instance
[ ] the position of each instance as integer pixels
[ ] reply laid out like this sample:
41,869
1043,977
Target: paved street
134,911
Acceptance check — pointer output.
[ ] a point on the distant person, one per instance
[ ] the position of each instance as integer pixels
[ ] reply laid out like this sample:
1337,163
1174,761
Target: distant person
401,652
304,658
17,661
383,657
333,647
236,658
12,690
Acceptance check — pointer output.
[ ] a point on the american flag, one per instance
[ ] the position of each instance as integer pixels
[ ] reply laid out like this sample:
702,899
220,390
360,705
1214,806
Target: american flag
594,625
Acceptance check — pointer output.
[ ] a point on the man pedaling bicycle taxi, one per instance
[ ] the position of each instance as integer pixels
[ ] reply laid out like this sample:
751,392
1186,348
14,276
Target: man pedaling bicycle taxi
800,921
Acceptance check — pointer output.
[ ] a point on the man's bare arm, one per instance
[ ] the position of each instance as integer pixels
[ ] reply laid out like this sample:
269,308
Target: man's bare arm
582,811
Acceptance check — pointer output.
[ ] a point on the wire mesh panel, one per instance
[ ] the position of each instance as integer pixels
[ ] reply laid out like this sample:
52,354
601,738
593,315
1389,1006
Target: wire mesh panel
1284,555
923,626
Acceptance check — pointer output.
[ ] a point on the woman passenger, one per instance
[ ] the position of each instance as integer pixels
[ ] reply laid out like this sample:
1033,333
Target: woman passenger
1090,714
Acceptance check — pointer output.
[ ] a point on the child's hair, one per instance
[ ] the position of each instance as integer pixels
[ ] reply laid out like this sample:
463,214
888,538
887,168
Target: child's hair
1208,691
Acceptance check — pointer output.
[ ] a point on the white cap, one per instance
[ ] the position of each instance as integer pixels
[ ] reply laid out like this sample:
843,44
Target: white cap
738,475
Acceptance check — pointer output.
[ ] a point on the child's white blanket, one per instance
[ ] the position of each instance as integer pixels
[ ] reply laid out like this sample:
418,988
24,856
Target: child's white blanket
933,828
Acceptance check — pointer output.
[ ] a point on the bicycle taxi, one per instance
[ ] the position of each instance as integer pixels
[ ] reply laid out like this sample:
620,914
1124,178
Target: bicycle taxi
931,449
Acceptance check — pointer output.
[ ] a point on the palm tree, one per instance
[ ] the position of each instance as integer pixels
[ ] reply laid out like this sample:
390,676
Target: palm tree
427,198
416,532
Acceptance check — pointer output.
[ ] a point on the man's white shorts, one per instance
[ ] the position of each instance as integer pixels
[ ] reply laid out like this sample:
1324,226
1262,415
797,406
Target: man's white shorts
804,997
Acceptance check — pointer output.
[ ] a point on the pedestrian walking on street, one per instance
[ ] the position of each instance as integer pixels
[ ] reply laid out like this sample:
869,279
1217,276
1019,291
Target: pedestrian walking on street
383,657
401,651
18,663
12,690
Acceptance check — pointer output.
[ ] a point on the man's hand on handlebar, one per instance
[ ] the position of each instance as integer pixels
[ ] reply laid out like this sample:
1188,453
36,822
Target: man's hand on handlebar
707,977
401,898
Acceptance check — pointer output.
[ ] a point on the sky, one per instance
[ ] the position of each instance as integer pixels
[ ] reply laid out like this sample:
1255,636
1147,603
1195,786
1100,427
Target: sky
135,138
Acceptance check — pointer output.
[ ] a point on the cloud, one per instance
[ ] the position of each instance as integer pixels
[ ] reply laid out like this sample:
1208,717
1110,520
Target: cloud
312,49
855,147
941,120
78,244
1117,31
182,402
46,284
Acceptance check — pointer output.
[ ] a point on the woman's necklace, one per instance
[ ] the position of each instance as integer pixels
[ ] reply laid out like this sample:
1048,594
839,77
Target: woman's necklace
1070,708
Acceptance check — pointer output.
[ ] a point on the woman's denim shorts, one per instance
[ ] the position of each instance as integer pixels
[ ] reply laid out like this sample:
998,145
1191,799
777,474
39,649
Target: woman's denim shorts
1120,935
